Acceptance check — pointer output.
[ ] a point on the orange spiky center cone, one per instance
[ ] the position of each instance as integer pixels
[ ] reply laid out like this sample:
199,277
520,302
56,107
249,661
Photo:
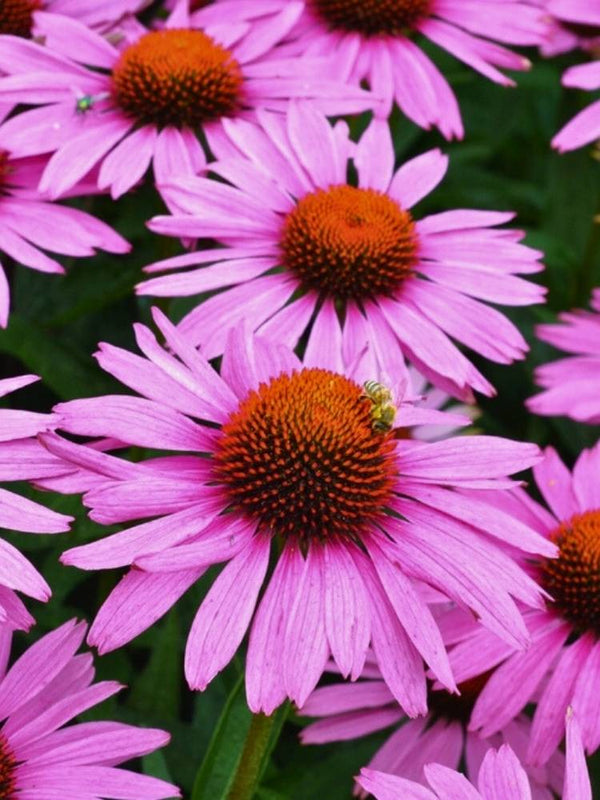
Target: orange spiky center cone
350,243
573,579
177,77
371,17
16,16
302,458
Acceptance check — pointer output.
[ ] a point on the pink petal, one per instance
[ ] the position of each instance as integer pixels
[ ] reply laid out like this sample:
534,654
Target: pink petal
265,688
501,776
417,177
137,601
389,787
305,648
225,613
577,780
347,613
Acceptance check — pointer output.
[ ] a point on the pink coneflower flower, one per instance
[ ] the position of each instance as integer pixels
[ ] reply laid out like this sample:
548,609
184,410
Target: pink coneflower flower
305,459
571,24
39,758
373,40
562,666
351,710
585,126
501,777
353,260
23,458
17,17
125,107
572,384
29,224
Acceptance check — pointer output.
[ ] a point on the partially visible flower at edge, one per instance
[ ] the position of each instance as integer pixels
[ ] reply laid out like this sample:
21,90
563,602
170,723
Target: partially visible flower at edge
585,126
23,458
29,224
561,668
17,17
348,711
571,24
47,687
572,385
373,42
501,776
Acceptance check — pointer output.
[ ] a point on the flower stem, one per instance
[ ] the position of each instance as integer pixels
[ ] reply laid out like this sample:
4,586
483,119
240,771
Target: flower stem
589,265
260,741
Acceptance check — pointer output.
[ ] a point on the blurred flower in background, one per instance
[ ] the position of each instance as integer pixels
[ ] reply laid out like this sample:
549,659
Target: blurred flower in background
572,385
501,776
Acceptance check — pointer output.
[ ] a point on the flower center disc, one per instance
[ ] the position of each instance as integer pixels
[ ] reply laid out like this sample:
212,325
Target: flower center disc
300,456
454,707
4,171
176,77
581,29
372,17
16,16
573,579
349,242
8,764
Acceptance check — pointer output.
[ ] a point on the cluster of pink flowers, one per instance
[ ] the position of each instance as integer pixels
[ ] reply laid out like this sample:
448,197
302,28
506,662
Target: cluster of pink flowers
294,425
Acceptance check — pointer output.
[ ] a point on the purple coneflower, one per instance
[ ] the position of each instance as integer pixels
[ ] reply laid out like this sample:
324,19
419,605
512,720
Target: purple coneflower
585,126
373,40
23,458
301,246
40,758
501,777
17,17
561,668
29,224
143,101
300,466
350,710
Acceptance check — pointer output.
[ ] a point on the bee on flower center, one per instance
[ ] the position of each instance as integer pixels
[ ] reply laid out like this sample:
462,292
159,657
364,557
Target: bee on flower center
383,411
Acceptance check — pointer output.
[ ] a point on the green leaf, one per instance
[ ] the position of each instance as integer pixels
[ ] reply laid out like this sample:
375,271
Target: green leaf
217,772
157,690
155,764
64,370
239,751
325,771
269,794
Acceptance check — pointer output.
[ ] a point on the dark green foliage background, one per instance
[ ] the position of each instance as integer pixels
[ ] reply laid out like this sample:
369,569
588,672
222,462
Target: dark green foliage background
505,162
